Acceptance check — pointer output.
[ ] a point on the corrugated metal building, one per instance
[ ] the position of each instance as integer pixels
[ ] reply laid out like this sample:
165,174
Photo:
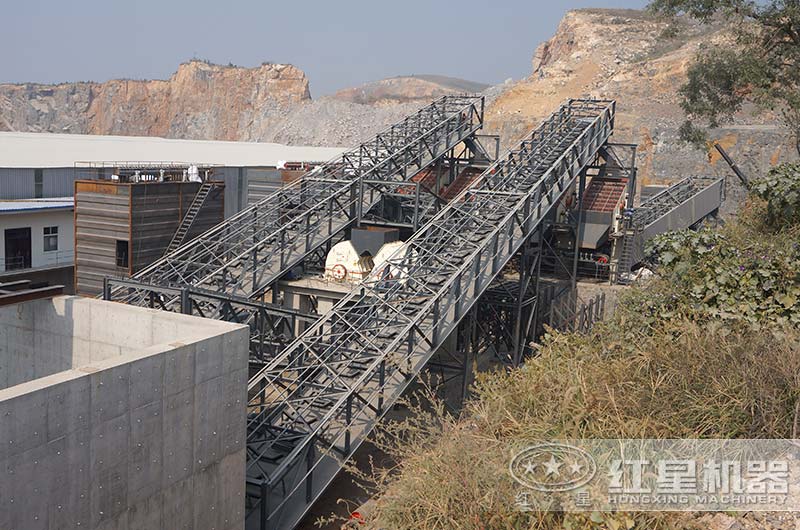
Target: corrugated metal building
46,165
120,228
30,183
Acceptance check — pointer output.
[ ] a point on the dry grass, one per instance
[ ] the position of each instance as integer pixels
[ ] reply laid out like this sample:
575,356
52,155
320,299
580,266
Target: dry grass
632,377
683,380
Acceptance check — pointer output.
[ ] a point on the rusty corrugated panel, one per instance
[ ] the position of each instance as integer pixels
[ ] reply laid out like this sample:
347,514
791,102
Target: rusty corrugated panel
106,188
157,210
144,214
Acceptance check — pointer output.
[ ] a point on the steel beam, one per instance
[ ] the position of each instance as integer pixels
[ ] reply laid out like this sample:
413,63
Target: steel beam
337,379
246,254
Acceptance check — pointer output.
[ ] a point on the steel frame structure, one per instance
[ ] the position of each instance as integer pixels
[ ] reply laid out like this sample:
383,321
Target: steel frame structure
313,404
510,306
664,201
639,222
514,308
246,254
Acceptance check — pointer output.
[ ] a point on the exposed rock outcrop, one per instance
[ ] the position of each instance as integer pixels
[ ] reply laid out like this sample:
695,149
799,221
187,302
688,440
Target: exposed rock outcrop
201,101
641,62
626,55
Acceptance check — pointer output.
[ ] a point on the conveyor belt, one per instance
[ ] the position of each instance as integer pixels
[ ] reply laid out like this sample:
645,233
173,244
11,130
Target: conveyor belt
313,404
678,207
246,254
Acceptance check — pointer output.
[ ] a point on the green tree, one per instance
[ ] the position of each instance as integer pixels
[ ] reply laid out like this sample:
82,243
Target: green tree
761,65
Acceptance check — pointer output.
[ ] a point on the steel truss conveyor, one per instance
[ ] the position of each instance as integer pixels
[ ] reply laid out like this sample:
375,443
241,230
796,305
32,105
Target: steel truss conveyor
244,256
313,404
683,205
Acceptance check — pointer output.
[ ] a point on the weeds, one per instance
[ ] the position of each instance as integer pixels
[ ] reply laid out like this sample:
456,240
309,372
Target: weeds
642,374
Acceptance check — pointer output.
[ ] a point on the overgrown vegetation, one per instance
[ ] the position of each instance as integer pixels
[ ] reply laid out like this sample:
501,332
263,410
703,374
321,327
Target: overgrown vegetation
761,65
727,276
709,349
781,189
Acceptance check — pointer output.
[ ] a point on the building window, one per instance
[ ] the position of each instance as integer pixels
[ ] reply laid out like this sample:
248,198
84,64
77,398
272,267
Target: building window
50,238
122,253
38,183
18,248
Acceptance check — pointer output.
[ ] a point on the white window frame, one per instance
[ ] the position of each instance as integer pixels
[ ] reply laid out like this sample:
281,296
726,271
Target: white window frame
48,233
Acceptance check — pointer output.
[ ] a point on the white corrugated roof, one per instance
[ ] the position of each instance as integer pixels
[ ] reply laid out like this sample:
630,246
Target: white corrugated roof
40,150
57,203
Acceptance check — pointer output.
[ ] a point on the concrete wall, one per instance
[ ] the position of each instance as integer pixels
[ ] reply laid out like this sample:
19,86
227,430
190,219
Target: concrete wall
144,430
63,219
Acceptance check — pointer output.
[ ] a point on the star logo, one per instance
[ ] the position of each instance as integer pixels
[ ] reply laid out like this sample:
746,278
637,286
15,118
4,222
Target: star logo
551,466
530,467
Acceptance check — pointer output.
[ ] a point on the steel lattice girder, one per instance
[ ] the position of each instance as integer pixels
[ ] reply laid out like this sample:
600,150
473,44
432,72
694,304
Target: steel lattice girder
313,404
663,202
245,254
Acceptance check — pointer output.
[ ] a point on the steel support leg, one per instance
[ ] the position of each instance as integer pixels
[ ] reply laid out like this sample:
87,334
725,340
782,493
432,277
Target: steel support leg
578,220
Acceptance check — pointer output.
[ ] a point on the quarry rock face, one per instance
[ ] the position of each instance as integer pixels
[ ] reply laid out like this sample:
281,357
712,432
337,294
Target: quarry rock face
391,91
641,62
627,55
199,101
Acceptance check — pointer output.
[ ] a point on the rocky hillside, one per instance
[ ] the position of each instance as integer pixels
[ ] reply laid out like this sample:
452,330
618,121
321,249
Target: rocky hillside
201,101
269,103
407,89
622,54
641,62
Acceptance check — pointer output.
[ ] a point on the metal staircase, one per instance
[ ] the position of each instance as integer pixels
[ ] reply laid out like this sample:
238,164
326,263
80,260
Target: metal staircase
629,254
314,403
188,219
247,253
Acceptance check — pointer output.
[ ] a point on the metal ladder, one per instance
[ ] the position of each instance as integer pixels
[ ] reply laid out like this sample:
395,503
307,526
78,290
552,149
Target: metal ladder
188,220
625,256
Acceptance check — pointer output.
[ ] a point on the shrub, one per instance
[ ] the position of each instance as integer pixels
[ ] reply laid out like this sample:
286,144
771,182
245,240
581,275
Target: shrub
737,274
780,188
680,380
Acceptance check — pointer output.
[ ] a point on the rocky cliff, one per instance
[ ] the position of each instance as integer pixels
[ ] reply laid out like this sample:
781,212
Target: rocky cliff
201,101
270,103
641,62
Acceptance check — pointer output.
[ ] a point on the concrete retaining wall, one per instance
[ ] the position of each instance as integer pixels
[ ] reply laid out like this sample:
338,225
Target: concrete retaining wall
144,429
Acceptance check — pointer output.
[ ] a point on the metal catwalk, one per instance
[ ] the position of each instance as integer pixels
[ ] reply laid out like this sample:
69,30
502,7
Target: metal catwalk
247,253
314,403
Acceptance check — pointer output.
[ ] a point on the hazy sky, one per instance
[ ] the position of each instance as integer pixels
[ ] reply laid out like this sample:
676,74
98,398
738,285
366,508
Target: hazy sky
337,43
